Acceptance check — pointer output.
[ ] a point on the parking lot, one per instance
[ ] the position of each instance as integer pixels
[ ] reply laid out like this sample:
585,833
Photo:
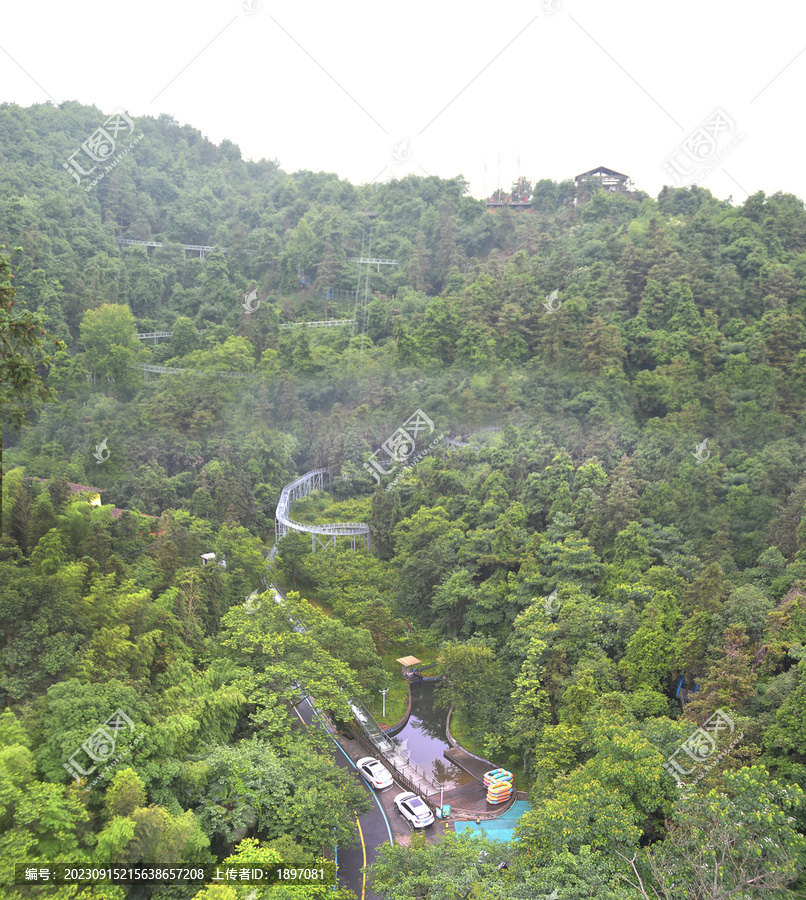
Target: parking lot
401,830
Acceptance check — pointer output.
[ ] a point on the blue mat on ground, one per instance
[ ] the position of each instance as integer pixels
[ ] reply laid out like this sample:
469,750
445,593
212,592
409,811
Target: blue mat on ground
501,829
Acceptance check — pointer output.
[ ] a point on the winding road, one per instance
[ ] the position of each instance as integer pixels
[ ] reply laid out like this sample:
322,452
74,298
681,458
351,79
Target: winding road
373,829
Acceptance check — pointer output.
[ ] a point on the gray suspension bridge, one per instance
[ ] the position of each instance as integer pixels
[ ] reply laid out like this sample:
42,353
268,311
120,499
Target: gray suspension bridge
156,335
321,535
194,248
322,323
165,370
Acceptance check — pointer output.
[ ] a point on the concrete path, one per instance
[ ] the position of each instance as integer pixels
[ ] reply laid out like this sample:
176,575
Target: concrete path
472,765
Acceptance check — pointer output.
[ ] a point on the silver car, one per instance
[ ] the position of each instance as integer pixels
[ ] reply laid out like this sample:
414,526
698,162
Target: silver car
416,812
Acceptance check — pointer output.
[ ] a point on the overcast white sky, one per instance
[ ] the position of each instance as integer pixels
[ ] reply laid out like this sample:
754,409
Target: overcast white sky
561,85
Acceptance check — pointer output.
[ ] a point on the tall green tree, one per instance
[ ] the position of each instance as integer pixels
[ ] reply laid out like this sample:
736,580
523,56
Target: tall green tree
738,841
108,335
24,343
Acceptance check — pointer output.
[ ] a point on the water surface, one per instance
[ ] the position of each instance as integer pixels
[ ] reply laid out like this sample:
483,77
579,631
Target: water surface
425,739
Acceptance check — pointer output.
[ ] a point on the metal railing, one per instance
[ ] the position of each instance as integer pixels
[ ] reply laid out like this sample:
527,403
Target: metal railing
322,323
147,335
165,370
388,747
372,261
198,248
399,777
404,761
321,535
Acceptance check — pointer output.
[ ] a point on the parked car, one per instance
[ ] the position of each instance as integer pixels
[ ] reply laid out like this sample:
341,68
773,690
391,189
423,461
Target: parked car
414,810
375,773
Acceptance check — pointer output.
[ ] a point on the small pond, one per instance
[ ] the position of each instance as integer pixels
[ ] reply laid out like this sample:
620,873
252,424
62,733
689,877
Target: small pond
424,737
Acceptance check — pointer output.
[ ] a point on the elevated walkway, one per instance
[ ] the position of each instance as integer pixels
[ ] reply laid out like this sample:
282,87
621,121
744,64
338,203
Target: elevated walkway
321,535
156,335
322,323
405,772
166,370
187,248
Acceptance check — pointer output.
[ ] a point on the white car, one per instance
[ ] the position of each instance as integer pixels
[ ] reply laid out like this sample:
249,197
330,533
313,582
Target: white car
414,810
375,773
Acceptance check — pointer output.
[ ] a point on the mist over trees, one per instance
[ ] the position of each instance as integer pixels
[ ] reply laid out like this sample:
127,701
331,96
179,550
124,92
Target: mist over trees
623,556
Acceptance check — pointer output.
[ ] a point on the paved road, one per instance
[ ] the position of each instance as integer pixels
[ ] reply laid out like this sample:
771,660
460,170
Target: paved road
376,827
373,829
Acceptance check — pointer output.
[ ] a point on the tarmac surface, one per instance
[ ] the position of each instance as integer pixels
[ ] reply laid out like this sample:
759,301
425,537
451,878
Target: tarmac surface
376,828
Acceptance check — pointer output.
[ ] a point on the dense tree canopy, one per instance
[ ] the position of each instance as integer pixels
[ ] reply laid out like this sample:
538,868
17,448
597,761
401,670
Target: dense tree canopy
611,551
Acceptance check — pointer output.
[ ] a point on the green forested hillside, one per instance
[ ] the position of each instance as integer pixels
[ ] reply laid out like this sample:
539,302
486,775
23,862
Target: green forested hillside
622,558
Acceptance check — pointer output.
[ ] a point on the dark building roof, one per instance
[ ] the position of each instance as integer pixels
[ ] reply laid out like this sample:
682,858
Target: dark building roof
602,170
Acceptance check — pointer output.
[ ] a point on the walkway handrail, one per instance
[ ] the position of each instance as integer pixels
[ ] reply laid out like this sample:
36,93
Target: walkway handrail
129,242
402,779
166,370
321,323
301,487
160,334
388,748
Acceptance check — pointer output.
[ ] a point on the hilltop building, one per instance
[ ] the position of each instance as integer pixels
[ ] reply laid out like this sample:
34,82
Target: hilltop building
606,179
600,177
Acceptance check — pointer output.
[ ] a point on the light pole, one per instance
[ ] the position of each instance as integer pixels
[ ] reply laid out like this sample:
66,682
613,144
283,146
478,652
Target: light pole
383,693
